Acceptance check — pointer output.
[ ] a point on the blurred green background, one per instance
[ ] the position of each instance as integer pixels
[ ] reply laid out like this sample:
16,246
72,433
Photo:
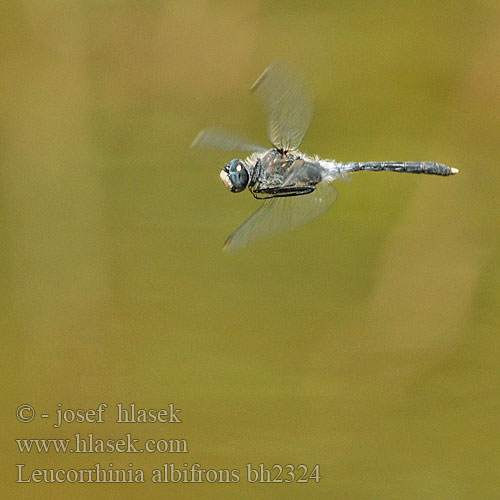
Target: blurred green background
366,342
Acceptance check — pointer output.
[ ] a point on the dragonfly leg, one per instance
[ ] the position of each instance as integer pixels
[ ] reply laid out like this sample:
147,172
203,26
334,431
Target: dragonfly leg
282,192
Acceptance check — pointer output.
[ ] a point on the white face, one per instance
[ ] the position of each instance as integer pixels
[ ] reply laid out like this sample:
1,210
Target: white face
235,176
225,179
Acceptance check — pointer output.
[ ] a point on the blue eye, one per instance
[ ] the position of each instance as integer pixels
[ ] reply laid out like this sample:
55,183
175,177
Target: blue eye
238,175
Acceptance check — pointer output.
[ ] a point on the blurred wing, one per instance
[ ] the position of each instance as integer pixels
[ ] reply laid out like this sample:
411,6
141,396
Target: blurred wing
277,215
289,104
214,138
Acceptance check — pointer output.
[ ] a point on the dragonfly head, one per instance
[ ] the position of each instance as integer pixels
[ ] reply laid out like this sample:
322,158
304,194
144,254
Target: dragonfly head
235,176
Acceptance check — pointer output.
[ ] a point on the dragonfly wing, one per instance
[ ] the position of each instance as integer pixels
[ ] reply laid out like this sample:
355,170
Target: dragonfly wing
215,138
277,215
289,104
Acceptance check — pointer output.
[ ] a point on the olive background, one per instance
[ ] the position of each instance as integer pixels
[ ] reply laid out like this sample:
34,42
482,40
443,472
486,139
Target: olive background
366,342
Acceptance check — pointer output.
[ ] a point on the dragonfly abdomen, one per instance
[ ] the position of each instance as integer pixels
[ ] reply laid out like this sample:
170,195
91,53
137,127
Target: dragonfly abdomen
409,167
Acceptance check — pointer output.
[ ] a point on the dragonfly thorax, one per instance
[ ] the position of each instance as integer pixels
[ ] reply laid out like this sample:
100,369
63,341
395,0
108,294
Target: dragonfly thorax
235,176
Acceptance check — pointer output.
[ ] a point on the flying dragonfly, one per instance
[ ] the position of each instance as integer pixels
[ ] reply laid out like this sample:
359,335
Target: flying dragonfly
295,187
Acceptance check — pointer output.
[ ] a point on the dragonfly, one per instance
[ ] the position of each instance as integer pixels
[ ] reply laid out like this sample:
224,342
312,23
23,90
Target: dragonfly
295,187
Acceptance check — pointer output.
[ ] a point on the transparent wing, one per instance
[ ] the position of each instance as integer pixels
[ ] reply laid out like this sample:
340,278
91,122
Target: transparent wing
289,104
277,215
215,138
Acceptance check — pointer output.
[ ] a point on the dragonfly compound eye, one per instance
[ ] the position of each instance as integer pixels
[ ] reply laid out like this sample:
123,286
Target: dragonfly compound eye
235,176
